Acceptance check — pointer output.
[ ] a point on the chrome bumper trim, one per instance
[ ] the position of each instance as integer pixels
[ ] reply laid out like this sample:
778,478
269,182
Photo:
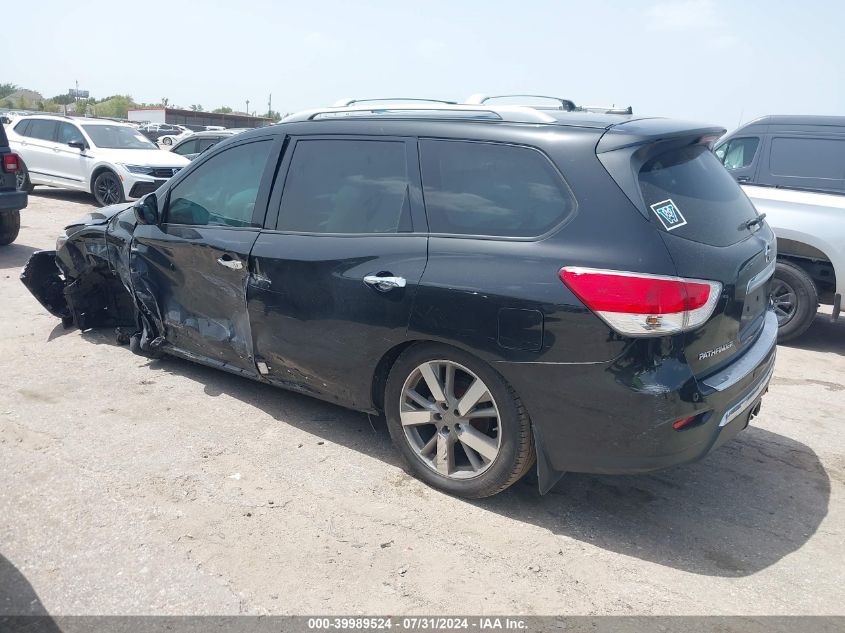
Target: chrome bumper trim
750,360
750,397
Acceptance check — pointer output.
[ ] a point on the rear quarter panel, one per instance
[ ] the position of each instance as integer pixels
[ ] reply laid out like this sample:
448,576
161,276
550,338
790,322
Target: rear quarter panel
469,281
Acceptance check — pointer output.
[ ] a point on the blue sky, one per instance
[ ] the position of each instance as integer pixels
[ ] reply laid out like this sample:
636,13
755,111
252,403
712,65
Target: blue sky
710,60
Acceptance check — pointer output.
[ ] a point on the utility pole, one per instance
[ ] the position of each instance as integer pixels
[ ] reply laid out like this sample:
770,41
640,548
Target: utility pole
247,106
270,106
76,99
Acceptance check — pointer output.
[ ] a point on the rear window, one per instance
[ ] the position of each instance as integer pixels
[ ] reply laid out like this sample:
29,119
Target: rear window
491,189
3,140
689,193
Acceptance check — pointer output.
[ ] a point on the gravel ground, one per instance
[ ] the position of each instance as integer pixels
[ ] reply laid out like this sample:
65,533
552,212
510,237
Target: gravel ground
161,487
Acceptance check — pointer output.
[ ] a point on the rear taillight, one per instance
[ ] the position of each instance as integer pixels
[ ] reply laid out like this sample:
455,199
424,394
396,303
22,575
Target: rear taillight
11,163
636,304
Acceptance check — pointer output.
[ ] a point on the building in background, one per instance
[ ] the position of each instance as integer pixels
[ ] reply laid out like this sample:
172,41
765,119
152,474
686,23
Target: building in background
191,118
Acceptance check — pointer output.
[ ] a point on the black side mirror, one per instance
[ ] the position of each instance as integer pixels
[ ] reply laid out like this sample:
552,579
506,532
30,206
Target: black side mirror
146,209
80,145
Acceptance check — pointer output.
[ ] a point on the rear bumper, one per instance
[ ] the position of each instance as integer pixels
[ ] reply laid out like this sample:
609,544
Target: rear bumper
12,201
617,417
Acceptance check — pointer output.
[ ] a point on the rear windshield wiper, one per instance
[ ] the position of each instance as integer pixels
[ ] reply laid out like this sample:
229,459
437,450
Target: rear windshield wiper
749,223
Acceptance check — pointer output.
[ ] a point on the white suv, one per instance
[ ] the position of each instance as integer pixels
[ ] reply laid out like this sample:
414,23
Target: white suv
111,160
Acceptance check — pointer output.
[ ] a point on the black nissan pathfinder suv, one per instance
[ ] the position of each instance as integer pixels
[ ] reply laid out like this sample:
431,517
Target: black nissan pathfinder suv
510,285
12,200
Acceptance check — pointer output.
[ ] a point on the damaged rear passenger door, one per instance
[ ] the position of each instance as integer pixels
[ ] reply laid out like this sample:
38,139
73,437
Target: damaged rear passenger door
193,265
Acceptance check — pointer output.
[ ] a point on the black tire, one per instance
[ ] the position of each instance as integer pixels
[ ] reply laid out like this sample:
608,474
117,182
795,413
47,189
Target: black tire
516,450
22,181
795,299
10,226
167,141
107,189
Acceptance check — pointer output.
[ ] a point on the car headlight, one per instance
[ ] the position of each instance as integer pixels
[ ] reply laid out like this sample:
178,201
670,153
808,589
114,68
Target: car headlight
137,169
60,241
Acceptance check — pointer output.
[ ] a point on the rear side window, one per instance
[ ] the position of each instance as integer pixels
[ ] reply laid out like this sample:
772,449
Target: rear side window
738,152
346,186
808,158
689,193
3,140
42,129
491,189
22,127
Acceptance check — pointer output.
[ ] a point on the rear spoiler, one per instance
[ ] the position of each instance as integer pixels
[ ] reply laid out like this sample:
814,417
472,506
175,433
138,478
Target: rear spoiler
648,131
625,147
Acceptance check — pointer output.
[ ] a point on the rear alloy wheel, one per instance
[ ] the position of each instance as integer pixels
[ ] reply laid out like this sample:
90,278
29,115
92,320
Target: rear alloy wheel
10,226
795,300
459,425
108,189
167,141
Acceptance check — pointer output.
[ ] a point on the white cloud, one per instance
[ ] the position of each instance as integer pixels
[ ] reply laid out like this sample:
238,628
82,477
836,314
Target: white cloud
683,15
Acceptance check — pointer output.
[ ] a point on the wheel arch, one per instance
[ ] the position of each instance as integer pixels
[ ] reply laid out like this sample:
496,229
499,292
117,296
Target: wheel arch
99,169
547,477
809,257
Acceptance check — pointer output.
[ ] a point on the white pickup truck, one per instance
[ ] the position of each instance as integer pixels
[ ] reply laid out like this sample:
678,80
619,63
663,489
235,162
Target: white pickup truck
793,170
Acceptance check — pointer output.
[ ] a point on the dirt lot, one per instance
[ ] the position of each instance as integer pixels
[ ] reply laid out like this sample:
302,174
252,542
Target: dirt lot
136,486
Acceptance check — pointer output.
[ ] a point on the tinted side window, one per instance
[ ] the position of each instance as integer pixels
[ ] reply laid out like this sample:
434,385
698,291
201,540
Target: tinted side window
738,152
491,189
188,147
68,133
808,158
22,127
346,186
42,129
205,143
222,191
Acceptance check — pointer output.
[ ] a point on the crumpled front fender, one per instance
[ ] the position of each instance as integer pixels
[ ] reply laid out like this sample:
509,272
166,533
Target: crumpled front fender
41,276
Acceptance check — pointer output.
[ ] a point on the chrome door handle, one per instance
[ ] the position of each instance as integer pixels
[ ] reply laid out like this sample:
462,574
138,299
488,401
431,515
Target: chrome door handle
385,283
228,262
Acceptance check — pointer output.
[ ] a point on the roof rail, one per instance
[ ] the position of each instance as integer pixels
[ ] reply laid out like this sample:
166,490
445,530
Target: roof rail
564,104
606,109
348,102
510,114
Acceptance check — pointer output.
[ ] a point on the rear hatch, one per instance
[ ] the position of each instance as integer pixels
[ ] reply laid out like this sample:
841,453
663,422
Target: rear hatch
706,221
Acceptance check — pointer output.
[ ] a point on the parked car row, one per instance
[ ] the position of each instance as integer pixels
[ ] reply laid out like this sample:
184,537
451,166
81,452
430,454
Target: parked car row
511,286
110,160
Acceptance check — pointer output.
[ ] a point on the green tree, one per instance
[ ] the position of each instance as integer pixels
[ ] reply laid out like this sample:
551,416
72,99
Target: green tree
196,108
116,106
64,99
7,89
222,110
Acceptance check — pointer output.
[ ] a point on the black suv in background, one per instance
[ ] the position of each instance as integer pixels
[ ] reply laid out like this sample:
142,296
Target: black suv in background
12,200
509,285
